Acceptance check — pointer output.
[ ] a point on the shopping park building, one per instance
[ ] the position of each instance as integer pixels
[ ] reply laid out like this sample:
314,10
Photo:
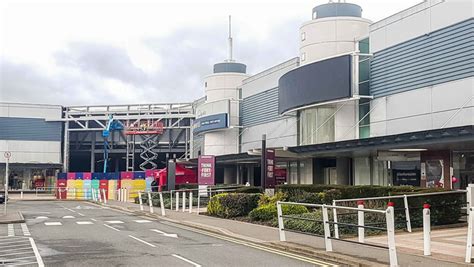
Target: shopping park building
380,103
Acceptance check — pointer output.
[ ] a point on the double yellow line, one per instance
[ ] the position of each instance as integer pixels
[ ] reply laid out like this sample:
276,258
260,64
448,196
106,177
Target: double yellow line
256,246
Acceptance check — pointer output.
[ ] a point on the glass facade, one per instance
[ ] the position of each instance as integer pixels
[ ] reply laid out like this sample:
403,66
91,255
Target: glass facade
364,89
317,125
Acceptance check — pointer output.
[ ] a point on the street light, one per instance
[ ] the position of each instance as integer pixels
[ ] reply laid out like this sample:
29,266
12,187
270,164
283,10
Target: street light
7,156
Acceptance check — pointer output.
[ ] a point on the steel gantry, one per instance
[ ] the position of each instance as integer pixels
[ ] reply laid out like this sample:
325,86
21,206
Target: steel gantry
83,126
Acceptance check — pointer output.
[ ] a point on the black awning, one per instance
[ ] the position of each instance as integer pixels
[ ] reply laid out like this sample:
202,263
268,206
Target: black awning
437,136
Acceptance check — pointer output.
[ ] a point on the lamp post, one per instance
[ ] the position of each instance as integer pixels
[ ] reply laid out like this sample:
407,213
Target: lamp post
263,164
7,156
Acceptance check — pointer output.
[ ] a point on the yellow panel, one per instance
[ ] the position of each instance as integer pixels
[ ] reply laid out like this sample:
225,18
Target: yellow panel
79,185
112,189
71,184
138,185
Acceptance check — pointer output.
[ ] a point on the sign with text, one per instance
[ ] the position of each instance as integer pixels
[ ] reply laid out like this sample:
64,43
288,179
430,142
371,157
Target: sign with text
206,170
270,165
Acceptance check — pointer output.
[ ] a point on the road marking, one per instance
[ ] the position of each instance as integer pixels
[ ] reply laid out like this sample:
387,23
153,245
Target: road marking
11,230
52,223
163,233
144,242
256,246
81,214
85,222
68,217
25,230
70,209
93,219
41,217
113,222
142,221
186,260
39,260
112,227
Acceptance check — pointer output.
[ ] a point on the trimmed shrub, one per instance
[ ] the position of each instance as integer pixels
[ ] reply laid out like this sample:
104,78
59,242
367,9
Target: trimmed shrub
229,205
268,212
250,190
265,199
307,226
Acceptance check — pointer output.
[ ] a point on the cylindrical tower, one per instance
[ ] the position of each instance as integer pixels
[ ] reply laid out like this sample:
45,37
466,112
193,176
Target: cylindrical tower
334,29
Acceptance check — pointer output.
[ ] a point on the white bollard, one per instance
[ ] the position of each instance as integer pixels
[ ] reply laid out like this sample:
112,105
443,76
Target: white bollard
177,201
390,219
360,216
184,201
74,192
162,205
105,196
190,202
281,228
407,213
334,215
92,194
21,195
327,230
150,202
99,198
426,230
469,236
140,201
126,196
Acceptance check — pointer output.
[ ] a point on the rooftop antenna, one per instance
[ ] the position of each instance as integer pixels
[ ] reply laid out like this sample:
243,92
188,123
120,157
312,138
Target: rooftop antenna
230,41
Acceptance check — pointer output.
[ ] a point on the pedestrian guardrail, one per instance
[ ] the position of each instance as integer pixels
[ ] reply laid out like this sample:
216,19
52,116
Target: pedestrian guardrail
389,222
406,207
150,201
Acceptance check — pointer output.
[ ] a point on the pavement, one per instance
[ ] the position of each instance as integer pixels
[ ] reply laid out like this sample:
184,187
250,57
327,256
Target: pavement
349,253
11,217
79,233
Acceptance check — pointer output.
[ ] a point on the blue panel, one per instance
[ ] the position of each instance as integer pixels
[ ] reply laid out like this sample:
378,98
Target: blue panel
260,108
98,176
210,123
139,175
29,129
62,176
441,56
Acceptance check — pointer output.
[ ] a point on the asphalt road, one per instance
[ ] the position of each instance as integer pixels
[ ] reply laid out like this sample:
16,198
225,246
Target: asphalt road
73,233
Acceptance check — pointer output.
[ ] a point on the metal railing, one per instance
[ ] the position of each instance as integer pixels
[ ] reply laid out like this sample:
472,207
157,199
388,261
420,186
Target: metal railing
389,221
405,198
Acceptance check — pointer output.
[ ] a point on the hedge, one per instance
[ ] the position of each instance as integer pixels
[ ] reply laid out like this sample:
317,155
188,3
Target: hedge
268,212
229,205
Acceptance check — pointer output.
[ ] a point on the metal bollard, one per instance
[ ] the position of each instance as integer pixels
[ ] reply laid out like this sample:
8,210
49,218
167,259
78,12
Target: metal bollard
281,228
177,201
140,201
150,202
99,198
162,205
184,201
360,217
190,202
390,219
327,230
407,213
21,194
426,230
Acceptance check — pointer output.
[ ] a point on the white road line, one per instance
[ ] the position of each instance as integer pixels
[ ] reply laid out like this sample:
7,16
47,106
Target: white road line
85,222
41,217
25,230
142,221
144,242
70,210
52,223
163,233
112,227
81,214
68,217
113,222
186,260
93,219
11,230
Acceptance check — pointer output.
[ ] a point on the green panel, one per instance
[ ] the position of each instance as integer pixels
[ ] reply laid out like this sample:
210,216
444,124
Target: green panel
364,46
95,184
364,71
364,132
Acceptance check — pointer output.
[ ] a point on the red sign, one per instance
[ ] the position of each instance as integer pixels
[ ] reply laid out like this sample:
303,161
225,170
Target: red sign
280,176
270,173
206,170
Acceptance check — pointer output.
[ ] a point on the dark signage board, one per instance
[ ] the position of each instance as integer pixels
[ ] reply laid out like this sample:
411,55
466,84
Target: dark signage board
318,82
406,177
206,170
210,123
171,172
270,166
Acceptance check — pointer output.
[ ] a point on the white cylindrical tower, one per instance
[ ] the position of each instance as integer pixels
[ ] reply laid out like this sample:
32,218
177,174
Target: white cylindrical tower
334,30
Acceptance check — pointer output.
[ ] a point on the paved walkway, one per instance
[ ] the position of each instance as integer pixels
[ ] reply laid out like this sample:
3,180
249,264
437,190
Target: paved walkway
408,245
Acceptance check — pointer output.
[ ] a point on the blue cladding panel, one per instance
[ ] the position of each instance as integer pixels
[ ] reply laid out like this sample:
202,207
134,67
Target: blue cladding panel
29,129
210,123
260,108
441,56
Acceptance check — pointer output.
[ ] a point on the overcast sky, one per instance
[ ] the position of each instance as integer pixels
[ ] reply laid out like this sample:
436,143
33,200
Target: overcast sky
87,52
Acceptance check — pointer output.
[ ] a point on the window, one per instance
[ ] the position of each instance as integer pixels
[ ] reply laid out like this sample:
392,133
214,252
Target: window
205,84
303,56
364,89
303,36
317,125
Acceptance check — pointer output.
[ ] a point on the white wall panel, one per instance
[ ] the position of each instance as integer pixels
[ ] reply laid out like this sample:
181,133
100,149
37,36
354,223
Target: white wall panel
48,112
31,151
279,133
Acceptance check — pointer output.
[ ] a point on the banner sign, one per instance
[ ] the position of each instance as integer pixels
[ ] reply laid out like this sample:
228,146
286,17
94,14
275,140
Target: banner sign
270,173
210,123
206,170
